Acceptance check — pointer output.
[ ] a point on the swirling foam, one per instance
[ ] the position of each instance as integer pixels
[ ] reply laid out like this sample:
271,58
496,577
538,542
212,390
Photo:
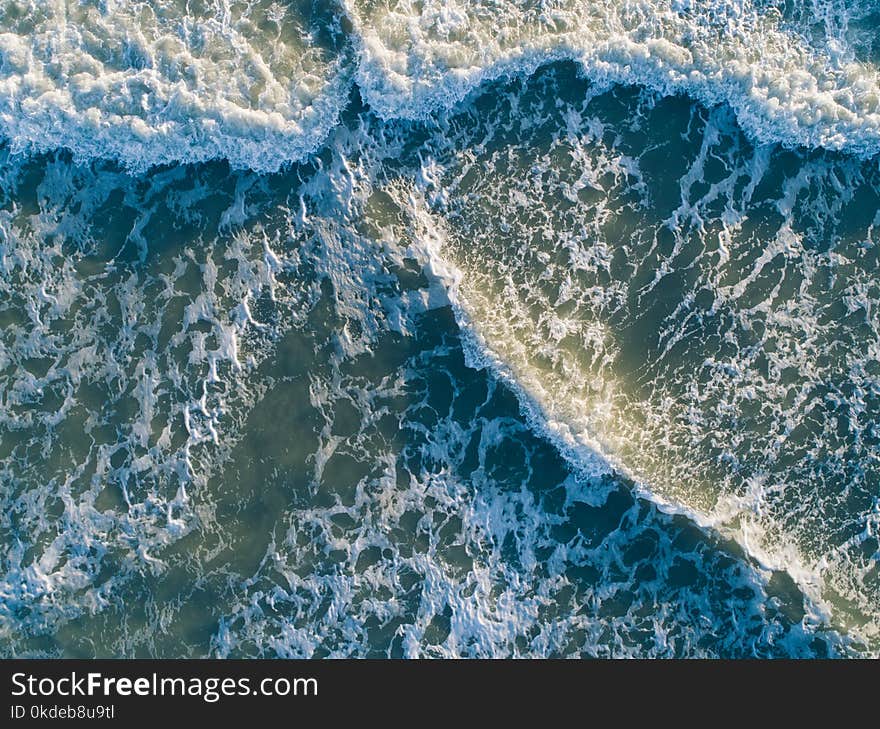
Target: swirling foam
260,83
149,83
416,57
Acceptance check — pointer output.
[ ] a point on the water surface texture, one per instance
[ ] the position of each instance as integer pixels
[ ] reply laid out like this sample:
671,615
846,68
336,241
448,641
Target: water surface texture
440,329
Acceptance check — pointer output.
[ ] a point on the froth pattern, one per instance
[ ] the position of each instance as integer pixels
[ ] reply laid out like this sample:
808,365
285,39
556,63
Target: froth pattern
715,338
785,85
148,83
261,83
153,302
124,361
258,434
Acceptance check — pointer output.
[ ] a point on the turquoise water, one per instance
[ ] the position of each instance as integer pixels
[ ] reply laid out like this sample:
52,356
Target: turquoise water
439,330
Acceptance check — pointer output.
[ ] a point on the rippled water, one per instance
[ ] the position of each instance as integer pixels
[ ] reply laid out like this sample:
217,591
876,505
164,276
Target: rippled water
439,329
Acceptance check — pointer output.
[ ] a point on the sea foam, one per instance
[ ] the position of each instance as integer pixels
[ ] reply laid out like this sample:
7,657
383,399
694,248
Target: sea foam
261,84
151,83
417,57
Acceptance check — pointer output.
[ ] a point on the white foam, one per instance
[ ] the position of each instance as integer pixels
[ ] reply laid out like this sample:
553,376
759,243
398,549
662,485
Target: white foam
416,58
147,84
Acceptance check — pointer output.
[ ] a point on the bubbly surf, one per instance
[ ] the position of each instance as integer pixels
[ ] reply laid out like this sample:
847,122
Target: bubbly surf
454,329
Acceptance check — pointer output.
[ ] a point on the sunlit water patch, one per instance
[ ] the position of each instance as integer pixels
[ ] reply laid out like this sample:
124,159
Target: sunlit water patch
715,337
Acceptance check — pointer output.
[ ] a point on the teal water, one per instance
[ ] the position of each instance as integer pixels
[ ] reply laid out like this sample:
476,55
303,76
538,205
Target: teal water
363,331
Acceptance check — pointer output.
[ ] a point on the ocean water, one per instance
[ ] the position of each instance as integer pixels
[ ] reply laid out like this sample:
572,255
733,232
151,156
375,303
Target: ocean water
440,329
